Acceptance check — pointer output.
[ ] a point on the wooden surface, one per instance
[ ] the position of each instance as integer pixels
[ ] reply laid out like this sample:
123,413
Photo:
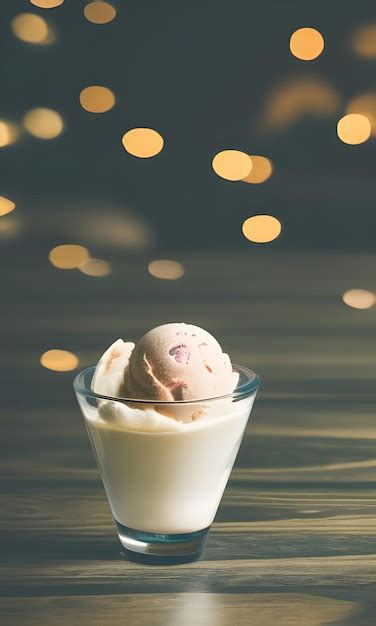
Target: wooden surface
294,541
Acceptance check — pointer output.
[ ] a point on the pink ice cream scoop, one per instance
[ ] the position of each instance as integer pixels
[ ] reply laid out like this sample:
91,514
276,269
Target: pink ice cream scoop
178,362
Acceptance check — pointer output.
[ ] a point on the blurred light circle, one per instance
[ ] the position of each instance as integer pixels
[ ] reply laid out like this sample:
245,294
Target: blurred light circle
31,28
95,267
364,41
166,269
366,105
142,142
6,206
232,164
68,256
306,44
43,123
10,227
8,133
261,228
99,12
262,169
354,128
97,99
359,298
47,4
59,360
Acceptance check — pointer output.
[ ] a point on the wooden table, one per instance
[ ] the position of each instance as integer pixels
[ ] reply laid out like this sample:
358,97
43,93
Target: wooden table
294,540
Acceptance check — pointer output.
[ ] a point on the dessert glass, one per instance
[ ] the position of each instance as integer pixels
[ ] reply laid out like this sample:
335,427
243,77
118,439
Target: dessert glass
164,486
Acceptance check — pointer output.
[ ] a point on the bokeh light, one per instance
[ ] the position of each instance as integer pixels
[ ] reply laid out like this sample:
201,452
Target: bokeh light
43,123
142,142
364,41
306,44
99,12
59,360
6,206
354,128
97,99
10,227
262,169
261,228
232,164
68,256
95,267
166,269
359,298
366,105
295,98
47,4
32,28
8,133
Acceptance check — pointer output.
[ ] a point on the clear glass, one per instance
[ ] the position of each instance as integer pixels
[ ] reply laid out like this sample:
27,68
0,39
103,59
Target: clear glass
163,473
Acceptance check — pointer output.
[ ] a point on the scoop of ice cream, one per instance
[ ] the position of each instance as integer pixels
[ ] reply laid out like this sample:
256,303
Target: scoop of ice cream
108,379
178,362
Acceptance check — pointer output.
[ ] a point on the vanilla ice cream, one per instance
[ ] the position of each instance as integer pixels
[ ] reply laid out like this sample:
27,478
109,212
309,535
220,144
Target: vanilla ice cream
166,427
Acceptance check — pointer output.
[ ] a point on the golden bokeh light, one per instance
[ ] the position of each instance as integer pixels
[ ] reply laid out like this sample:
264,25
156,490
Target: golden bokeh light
43,123
68,256
10,227
142,142
166,269
359,298
364,41
99,12
262,169
354,128
366,105
95,267
306,44
261,228
8,133
47,4
59,360
97,99
296,98
6,206
32,28
232,164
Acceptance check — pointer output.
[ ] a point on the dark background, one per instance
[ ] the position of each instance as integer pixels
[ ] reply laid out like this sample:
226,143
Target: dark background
202,74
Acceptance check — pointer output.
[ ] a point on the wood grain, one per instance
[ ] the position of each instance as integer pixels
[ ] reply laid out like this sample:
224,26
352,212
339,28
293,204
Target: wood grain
294,540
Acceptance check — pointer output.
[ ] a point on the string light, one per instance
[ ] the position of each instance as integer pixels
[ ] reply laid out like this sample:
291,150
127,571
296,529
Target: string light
32,28
166,269
95,267
359,298
8,133
262,169
354,128
47,4
364,41
142,142
59,360
232,164
99,12
6,206
97,99
366,105
261,228
306,44
68,256
43,123
297,97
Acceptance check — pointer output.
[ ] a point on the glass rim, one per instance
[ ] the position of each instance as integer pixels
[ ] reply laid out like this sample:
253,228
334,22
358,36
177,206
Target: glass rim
245,389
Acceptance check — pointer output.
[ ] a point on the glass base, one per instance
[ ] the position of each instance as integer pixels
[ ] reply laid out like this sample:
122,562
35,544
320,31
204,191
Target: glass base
161,549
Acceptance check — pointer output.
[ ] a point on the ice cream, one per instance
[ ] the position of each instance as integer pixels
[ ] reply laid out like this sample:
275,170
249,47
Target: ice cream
171,362
166,428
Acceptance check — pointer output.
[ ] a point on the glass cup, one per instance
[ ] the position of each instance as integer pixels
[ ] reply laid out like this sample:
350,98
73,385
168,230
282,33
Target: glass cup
164,484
